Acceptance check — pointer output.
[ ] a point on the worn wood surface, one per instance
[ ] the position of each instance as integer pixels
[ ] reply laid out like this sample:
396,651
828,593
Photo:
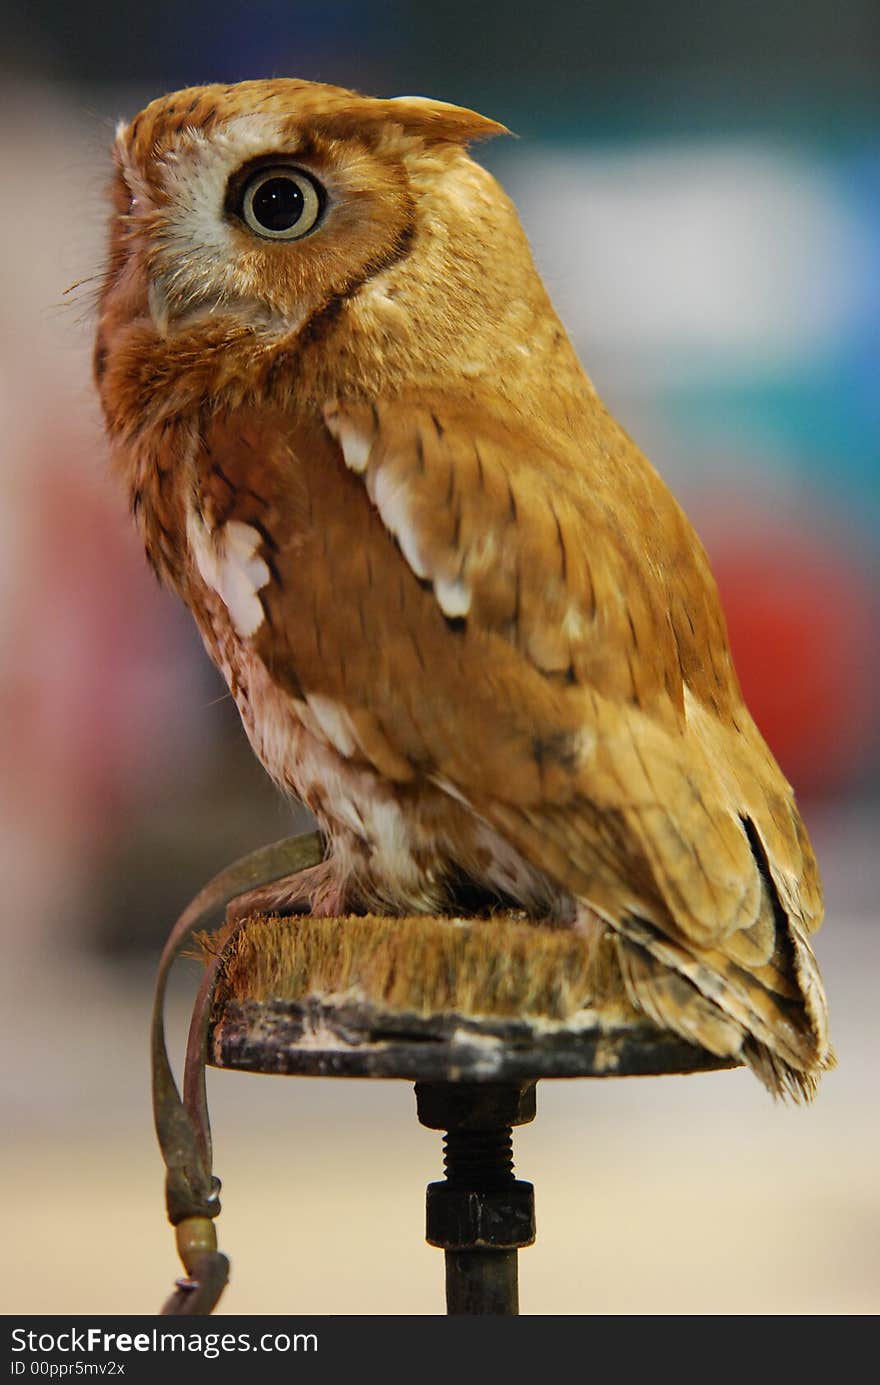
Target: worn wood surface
323,1037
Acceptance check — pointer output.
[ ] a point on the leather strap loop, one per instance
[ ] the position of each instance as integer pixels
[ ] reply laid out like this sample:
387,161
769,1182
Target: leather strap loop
182,1125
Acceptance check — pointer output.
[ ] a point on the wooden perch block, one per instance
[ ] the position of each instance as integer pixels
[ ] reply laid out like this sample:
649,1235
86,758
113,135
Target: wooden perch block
430,999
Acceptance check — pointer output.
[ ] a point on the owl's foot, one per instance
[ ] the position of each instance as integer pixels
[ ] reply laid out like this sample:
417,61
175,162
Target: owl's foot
320,891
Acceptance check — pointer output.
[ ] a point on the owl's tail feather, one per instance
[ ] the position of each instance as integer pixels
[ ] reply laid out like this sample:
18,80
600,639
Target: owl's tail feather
723,1008
778,1077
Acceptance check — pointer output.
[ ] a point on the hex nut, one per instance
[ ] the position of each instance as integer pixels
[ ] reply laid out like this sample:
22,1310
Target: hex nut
462,1219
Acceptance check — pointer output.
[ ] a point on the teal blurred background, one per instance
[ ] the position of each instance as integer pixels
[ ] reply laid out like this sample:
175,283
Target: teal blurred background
700,181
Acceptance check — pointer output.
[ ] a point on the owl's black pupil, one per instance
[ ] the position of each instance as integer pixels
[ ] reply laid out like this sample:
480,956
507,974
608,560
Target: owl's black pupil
278,204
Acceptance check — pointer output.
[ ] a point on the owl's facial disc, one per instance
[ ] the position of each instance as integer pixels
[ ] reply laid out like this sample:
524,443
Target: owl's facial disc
255,220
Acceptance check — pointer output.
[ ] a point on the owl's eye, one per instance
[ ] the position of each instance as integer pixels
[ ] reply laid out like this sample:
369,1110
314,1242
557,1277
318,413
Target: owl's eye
280,203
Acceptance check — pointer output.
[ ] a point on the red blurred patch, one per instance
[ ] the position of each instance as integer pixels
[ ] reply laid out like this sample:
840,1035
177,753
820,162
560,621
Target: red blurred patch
802,619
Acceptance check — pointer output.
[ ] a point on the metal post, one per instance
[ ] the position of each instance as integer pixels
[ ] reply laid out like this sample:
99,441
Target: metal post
480,1215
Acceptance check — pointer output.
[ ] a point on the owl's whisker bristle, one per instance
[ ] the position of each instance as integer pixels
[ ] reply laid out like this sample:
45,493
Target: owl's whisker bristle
79,283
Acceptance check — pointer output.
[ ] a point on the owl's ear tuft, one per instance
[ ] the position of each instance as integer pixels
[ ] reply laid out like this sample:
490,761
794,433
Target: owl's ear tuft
440,121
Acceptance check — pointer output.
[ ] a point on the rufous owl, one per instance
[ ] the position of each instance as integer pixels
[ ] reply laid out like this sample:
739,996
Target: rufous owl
462,617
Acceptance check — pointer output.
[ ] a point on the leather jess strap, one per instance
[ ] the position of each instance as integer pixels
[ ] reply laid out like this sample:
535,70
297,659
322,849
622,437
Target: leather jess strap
182,1123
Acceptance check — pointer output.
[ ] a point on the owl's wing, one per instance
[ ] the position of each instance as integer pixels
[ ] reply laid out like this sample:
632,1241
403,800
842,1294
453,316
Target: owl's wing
579,559
543,639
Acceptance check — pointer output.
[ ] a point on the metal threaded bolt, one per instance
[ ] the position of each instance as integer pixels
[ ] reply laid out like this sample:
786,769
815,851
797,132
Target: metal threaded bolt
481,1160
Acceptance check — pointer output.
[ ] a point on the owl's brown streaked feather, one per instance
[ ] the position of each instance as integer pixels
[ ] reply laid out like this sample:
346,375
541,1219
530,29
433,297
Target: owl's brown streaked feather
461,615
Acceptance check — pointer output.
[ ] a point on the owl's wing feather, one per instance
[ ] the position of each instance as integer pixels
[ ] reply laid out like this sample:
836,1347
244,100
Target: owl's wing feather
579,558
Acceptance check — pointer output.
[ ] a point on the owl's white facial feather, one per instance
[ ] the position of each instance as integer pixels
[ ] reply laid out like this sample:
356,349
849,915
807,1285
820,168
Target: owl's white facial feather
195,263
195,170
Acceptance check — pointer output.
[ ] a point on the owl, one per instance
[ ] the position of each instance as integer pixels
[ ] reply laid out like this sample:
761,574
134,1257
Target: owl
461,616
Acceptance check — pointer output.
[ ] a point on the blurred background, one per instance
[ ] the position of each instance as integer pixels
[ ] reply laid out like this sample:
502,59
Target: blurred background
700,184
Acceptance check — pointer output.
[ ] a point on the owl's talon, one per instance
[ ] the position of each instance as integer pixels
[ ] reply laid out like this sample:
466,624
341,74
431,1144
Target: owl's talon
316,890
